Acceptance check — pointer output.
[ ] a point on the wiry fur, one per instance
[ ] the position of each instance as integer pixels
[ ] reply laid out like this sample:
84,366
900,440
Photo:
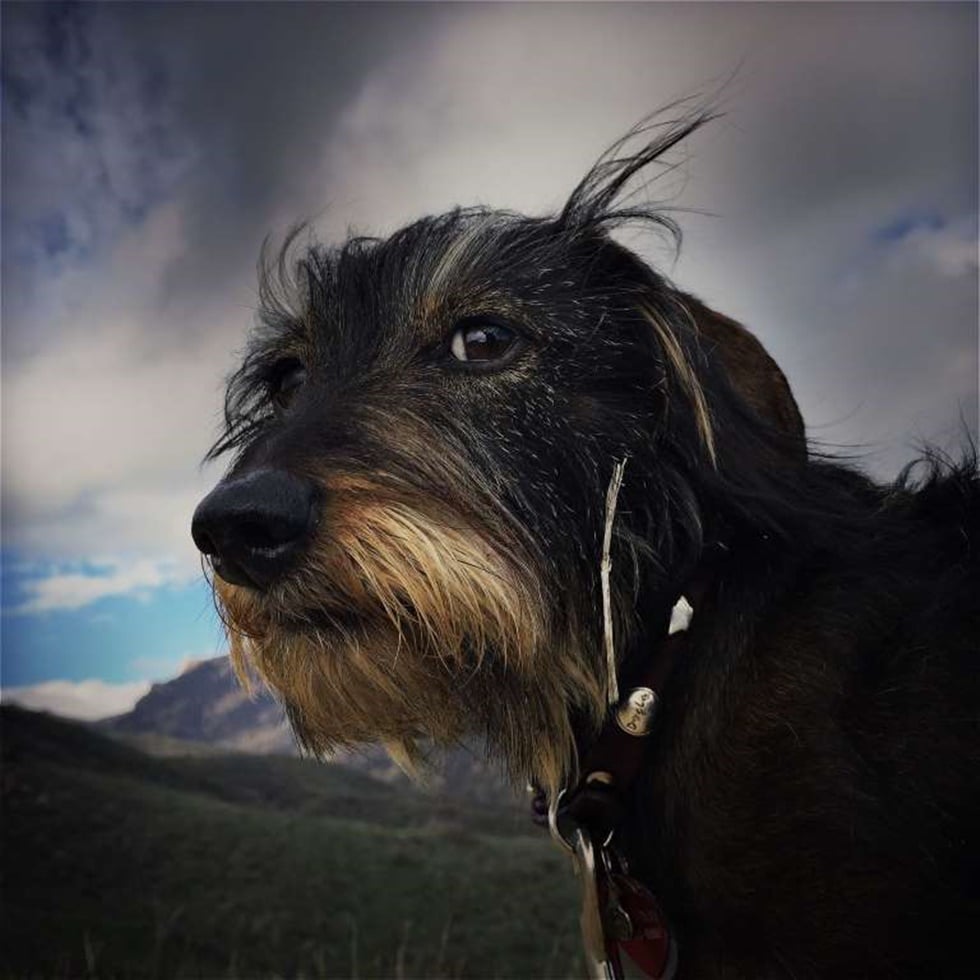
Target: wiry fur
811,803
407,625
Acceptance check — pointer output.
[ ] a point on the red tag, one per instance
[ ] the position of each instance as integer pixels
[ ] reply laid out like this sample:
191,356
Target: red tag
650,946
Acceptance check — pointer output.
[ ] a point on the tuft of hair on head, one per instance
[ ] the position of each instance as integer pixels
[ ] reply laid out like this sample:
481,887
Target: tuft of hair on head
607,198
598,201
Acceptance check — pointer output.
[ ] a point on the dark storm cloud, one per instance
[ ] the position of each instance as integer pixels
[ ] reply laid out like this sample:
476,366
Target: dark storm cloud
108,109
89,145
860,102
257,91
149,148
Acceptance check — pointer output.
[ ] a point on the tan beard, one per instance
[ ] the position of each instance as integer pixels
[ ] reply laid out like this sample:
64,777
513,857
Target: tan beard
404,627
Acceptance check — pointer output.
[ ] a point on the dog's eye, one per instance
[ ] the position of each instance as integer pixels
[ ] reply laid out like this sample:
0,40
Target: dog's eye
287,379
480,342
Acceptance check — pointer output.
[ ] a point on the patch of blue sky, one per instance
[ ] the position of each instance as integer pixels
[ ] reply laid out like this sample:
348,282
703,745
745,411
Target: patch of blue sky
905,224
115,639
54,234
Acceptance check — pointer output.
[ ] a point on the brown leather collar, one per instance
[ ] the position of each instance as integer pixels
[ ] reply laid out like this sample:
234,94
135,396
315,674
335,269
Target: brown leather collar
610,766
619,913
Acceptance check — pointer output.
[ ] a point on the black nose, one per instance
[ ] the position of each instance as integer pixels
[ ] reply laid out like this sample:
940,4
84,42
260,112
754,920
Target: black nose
254,527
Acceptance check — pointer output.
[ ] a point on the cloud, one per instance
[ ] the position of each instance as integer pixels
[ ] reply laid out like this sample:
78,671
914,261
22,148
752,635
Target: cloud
112,371
105,429
68,590
879,344
950,250
257,92
88,700
91,144
111,388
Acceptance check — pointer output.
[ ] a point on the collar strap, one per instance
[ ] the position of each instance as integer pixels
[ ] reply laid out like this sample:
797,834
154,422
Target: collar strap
618,912
612,763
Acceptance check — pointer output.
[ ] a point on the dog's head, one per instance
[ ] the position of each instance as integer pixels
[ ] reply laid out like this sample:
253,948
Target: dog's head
407,544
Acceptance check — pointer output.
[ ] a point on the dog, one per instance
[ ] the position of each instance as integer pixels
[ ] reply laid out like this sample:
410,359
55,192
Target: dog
408,547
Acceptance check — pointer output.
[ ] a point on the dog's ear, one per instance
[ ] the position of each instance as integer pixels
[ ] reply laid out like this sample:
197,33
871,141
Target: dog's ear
602,201
752,373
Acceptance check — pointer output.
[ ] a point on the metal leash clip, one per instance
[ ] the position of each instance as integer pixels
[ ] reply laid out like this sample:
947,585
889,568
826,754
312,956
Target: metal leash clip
619,914
619,925
602,915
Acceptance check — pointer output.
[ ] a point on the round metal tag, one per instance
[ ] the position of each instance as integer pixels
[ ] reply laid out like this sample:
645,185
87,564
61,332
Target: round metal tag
635,715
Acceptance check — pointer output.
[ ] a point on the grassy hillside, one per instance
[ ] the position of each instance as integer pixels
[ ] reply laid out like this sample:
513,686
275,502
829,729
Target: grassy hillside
116,864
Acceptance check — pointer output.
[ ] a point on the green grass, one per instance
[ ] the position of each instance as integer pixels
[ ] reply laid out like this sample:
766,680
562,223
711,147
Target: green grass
116,864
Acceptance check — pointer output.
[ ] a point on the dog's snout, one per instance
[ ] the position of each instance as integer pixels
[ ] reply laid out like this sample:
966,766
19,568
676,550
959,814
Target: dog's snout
254,527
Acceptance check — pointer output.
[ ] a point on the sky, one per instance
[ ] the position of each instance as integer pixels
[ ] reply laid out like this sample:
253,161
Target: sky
147,151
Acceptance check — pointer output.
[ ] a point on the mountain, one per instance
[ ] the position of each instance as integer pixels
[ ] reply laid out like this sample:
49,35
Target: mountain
205,707
206,704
